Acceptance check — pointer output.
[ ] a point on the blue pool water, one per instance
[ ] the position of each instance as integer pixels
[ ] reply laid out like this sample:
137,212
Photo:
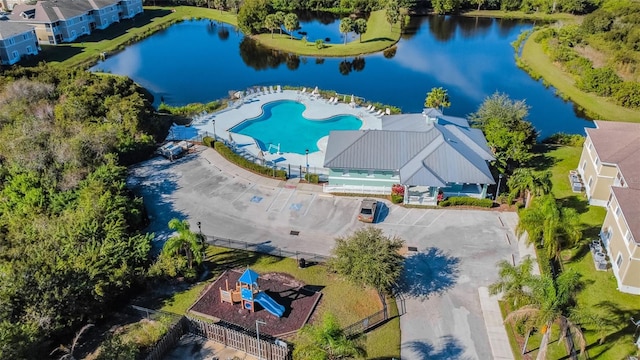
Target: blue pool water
282,123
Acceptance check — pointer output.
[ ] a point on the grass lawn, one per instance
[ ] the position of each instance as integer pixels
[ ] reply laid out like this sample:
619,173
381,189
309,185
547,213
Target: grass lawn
599,294
520,15
86,50
538,61
379,36
347,302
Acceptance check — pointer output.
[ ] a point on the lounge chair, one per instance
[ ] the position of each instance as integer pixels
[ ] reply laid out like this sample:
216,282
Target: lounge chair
278,88
335,101
264,90
304,90
372,110
271,90
330,100
387,111
368,107
380,112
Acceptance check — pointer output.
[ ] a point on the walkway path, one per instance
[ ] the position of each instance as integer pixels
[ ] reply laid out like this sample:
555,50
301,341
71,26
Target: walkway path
457,249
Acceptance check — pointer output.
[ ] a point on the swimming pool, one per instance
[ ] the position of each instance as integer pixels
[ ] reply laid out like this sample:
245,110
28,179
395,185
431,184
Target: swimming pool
282,123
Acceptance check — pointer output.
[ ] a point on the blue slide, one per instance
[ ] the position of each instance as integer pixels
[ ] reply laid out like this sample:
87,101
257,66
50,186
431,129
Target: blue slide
269,304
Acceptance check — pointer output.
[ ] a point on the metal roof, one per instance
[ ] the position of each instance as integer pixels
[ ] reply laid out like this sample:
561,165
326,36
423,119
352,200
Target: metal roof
429,153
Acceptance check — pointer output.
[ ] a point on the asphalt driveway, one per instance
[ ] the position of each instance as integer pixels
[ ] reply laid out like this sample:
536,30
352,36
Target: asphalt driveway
456,250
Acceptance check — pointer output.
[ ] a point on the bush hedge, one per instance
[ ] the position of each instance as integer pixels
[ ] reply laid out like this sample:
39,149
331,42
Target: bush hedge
207,141
246,164
312,178
466,201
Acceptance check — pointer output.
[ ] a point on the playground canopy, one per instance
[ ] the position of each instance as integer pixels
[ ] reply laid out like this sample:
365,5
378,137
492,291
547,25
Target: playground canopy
249,277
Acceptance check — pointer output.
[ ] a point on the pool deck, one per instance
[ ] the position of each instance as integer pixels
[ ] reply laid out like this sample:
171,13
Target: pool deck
251,107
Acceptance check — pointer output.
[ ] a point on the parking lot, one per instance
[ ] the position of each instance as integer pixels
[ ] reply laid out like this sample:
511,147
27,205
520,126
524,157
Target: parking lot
456,250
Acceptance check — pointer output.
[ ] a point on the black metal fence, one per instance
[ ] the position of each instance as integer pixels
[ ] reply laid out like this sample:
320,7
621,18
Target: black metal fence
264,248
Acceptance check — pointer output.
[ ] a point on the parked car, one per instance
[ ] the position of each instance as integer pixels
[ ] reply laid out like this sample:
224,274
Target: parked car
368,210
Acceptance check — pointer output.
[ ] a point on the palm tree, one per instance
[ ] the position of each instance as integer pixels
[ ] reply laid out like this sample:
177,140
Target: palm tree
514,282
528,182
553,299
360,27
291,23
271,23
326,341
437,98
185,241
346,26
553,226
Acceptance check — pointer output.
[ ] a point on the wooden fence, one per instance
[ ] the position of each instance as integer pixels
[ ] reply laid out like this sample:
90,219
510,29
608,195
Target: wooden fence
169,340
269,350
228,335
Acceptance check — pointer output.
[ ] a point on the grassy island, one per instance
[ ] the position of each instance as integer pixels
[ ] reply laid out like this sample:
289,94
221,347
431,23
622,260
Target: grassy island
379,36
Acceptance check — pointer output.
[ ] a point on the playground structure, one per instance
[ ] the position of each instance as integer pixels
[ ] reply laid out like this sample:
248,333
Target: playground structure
248,293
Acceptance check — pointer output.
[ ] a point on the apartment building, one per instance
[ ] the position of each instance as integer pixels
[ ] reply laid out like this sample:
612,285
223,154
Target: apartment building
16,41
610,168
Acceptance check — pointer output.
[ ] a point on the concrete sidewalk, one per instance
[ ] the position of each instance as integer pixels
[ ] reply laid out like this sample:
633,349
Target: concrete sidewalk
498,338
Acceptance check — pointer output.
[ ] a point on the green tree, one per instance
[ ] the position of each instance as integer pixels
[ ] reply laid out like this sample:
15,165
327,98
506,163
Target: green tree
514,282
219,4
392,17
251,15
478,2
280,20
346,26
552,226
360,27
509,135
445,6
437,98
368,258
528,182
291,23
551,304
326,341
271,23
185,241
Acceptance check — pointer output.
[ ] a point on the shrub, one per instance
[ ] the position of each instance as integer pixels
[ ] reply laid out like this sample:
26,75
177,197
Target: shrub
565,139
627,94
397,199
312,178
397,193
207,141
320,44
466,201
244,163
600,81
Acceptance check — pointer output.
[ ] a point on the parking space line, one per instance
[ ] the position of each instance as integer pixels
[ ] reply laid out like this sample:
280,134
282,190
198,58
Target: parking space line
309,205
435,218
421,216
274,199
245,190
405,215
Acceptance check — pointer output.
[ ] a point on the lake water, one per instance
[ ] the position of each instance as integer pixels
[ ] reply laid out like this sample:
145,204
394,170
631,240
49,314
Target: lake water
200,61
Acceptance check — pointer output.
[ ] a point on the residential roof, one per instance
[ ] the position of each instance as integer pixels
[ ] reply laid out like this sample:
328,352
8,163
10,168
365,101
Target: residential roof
628,200
619,143
431,156
49,11
10,29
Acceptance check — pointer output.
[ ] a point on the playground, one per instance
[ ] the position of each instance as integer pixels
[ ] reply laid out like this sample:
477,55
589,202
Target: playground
241,297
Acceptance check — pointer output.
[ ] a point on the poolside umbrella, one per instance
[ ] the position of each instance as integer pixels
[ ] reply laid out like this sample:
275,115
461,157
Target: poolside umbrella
353,100
315,91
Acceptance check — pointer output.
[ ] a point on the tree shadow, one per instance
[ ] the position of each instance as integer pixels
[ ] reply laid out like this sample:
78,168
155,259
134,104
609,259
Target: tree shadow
451,349
430,272
377,39
541,161
579,204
